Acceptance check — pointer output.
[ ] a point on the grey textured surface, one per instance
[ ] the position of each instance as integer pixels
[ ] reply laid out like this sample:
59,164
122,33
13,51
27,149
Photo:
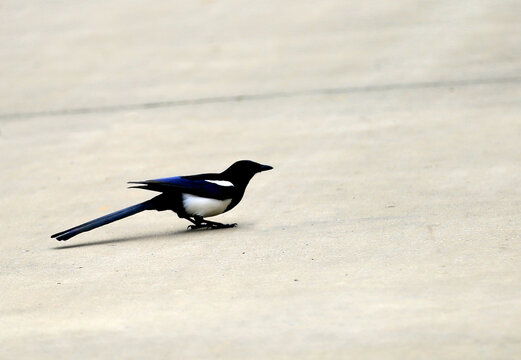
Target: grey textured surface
389,229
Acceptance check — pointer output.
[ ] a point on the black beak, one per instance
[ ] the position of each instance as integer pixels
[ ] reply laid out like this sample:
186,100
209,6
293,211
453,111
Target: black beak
265,168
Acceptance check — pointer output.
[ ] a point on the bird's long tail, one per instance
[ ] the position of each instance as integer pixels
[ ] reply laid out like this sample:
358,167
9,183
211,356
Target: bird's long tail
104,220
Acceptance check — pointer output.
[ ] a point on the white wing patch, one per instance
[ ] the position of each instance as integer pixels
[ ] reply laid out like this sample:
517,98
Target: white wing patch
205,207
220,182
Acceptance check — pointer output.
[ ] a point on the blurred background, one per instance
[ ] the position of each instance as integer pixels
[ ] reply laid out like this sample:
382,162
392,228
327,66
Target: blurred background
388,229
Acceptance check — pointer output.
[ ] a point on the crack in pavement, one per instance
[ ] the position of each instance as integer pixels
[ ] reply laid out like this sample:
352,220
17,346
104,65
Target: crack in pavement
262,96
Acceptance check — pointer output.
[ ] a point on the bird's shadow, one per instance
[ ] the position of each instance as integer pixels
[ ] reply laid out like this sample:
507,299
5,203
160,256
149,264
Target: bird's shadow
158,235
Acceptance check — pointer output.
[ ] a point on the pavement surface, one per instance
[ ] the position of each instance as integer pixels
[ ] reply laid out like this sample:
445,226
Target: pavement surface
389,229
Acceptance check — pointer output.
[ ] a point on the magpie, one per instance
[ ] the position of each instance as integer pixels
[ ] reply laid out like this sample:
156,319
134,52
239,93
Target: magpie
193,197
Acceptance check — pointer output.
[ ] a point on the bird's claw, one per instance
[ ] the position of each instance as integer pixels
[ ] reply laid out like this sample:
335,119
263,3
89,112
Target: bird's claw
211,226
225,226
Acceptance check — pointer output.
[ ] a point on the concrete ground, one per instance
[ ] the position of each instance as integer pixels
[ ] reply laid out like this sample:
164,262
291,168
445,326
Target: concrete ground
389,229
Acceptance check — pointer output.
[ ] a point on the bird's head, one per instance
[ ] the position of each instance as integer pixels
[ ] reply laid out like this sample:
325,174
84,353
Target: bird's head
242,171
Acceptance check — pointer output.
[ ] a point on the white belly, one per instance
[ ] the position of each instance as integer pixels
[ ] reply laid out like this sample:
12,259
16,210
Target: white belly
205,207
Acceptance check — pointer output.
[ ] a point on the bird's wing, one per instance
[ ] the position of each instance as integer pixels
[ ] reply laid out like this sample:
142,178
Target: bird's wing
195,185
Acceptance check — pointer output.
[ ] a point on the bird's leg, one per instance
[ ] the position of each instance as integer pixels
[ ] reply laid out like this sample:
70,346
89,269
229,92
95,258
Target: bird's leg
196,221
191,220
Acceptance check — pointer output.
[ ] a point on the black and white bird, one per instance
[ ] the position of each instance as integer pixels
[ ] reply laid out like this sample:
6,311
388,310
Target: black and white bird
193,197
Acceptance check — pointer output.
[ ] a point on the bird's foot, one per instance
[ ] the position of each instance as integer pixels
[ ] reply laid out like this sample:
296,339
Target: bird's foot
210,225
222,226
